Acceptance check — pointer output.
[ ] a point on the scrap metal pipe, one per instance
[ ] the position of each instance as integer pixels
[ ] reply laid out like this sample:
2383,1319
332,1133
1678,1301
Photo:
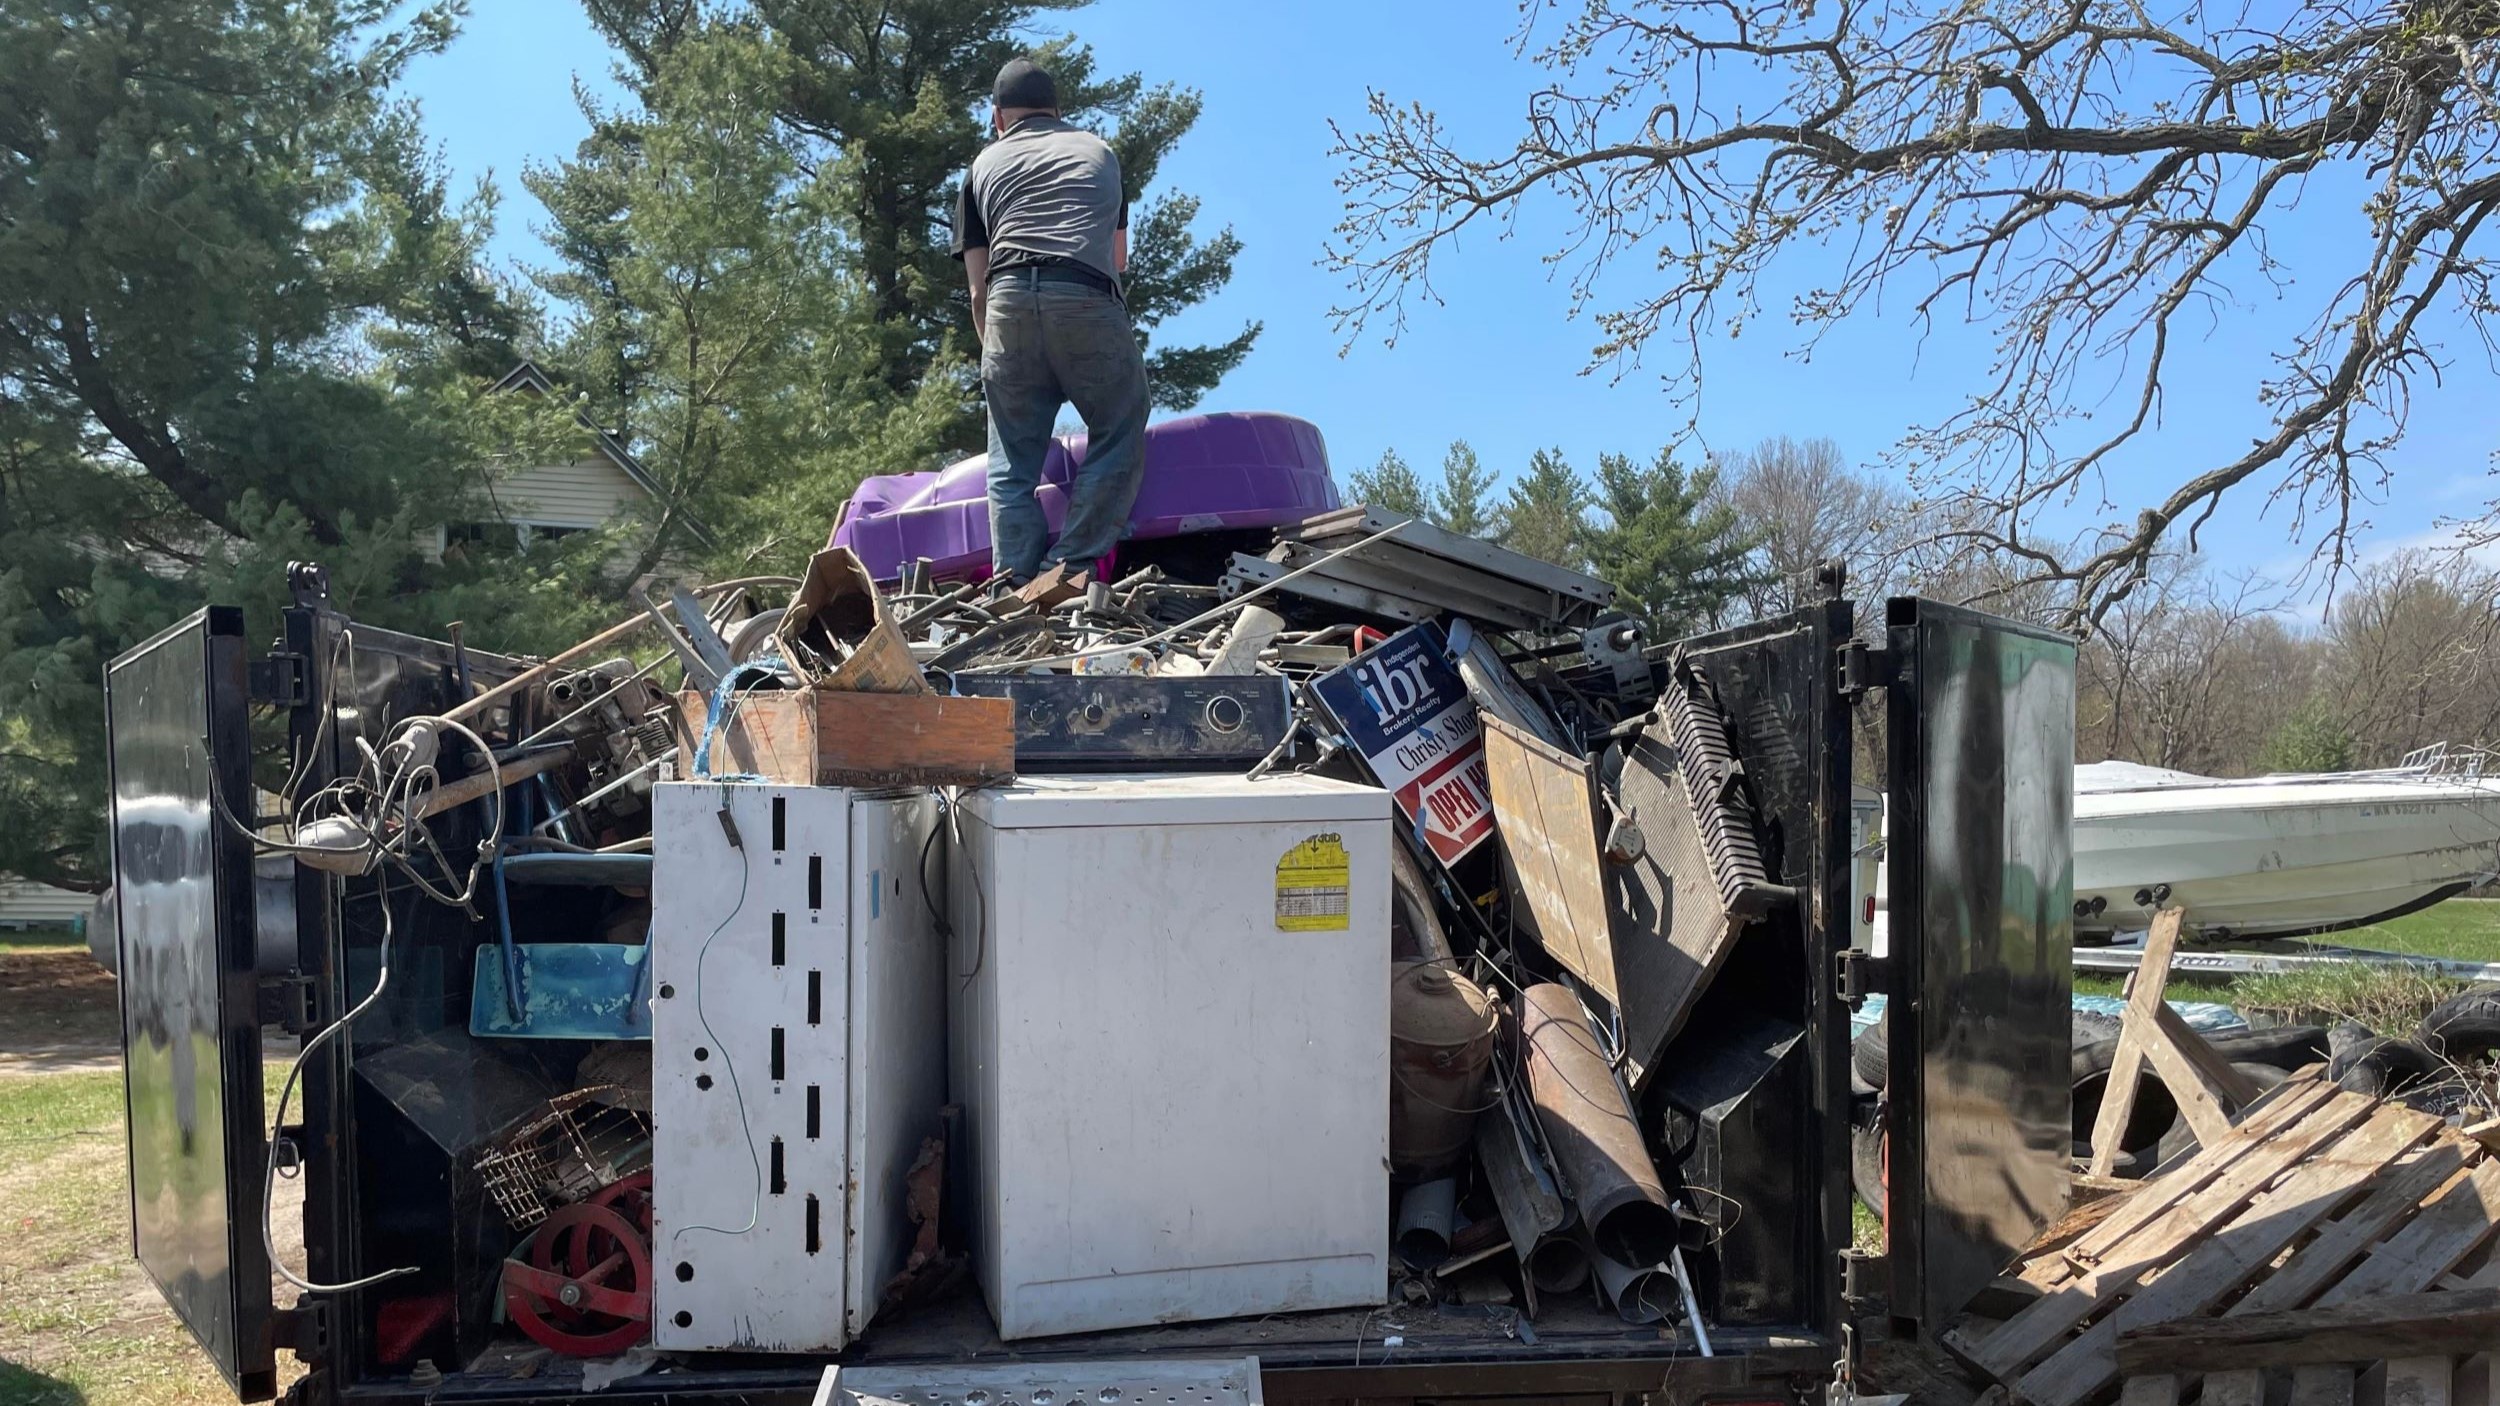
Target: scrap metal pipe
1426,1215
1639,1295
1589,1125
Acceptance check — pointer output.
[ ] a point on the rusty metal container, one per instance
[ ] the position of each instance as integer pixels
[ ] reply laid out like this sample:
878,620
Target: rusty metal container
1441,1029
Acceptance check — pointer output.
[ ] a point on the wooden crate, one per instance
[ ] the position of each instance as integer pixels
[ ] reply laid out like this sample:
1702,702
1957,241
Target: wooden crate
825,737
2319,1242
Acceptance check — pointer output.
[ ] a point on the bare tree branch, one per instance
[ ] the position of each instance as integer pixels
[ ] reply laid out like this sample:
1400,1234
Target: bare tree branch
2078,176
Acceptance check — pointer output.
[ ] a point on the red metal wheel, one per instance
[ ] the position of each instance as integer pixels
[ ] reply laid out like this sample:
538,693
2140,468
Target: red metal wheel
585,1289
630,1197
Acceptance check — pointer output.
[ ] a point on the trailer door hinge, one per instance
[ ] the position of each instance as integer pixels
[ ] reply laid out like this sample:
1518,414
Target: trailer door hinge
1863,667
1864,1281
287,1001
304,1329
281,679
1858,975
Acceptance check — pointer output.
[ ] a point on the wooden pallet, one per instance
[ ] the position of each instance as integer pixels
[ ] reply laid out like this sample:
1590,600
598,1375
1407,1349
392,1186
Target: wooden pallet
2337,1243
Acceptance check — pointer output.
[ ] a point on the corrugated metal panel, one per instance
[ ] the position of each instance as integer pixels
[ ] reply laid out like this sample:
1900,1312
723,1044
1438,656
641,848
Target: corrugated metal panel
23,903
590,493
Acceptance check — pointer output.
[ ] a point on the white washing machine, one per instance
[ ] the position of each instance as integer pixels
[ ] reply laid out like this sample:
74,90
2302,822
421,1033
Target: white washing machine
1170,1030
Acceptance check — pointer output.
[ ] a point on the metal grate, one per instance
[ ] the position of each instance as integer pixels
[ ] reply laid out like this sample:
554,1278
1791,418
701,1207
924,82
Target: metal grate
585,1140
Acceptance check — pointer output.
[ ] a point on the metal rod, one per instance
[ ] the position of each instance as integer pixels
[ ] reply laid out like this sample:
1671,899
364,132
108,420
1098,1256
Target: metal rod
1234,604
469,788
576,807
599,641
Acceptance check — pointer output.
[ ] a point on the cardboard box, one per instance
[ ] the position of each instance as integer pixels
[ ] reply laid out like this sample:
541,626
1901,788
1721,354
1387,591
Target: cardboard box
837,601
828,737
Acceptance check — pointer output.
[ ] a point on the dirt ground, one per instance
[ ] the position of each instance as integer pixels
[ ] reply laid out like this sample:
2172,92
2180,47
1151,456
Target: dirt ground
60,1013
80,1321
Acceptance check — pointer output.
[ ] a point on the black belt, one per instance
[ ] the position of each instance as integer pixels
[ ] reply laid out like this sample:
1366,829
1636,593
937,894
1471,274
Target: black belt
1058,271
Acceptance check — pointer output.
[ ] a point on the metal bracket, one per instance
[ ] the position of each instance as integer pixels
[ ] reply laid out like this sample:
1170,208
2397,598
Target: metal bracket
1864,1279
283,679
309,584
1858,975
304,1330
287,1001
1863,668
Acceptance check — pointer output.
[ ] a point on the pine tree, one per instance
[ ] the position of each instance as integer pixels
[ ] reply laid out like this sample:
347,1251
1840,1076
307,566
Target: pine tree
244,322
1674,553
887,100
1462,501
1545,513
1389,484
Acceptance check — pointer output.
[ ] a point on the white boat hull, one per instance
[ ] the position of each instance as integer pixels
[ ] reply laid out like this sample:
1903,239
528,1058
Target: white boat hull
2276,857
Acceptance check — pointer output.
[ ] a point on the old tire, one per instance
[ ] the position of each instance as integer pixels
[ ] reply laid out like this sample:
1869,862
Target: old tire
1866,1165
2463,1027
2289,1048
2155,1112
1869,1057
2379,1066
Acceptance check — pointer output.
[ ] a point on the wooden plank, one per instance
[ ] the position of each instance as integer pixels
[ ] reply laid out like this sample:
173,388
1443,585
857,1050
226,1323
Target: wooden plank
2126,1067
2486,1132
2317,1264
2406,1381
2387,1326
2445,1231
2290,1103
2245,1386
2042,1327
826,737
769,734
2211,1271
2089,1188
2219,1074
903,739
2322,1384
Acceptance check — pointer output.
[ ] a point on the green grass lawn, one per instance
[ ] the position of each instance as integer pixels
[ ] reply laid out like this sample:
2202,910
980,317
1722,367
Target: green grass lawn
79,1320
2388,1001
40,939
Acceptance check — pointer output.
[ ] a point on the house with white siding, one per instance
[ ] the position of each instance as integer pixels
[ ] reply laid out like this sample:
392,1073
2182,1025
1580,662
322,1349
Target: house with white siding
27,904
549,500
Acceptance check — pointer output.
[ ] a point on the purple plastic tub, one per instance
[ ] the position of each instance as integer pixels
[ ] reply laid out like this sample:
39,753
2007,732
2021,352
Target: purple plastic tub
1204,473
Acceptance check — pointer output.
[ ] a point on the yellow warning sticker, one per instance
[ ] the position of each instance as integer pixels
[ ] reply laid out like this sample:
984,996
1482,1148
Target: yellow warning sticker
1311,884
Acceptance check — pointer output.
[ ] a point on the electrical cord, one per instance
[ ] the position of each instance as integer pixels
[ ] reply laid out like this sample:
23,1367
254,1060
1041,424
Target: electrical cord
746,869
286,1093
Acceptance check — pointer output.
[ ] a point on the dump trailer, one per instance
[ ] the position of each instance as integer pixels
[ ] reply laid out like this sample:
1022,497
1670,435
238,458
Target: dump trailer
400,1116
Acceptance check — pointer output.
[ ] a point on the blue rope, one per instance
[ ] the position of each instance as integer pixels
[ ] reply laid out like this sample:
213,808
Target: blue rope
712,715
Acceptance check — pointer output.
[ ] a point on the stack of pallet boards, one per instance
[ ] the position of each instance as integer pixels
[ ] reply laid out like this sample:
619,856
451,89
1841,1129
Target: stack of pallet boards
2332,1248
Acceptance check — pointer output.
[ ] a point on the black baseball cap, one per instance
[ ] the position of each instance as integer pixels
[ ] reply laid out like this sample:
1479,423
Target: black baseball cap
1024,83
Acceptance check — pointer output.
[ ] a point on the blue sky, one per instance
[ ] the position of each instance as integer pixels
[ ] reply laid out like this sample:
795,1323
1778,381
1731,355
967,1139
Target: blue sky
1501,364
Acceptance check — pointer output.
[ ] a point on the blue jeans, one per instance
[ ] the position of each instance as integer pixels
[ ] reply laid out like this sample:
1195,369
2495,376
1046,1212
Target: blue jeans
1050,342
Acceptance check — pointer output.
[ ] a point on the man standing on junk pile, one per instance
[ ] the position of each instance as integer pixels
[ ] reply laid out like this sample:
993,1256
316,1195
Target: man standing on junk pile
1042,227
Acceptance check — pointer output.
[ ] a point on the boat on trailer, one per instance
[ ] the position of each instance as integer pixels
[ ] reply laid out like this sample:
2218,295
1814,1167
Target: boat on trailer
2284,855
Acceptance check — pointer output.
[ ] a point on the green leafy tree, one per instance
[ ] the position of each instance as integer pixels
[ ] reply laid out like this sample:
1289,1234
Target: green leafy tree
1545,514
1670,545
1463,501
886,102
1389,484
2313,738
241,321
718,322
